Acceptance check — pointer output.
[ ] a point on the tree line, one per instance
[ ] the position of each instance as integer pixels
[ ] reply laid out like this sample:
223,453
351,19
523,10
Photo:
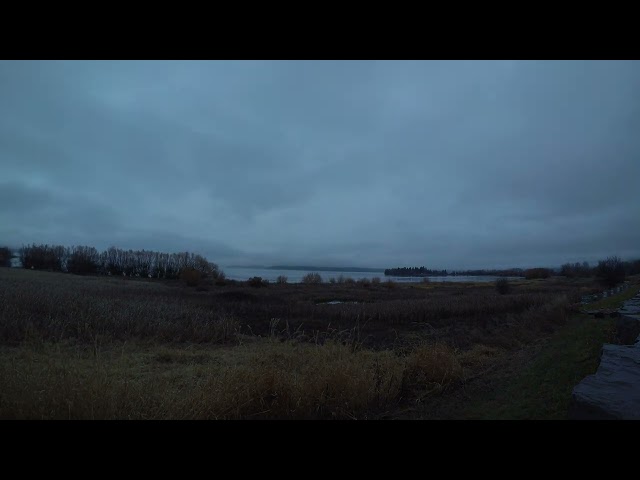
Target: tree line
510,272
423,272
610,271
413,272
85,260
573,270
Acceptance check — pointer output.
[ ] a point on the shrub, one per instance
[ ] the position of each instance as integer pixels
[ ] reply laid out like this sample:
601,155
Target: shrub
257,282
433,366
425,280
312,278
83,261
610,272
375,280
332,280
365,282
221,279
43,257
281,279
390,284
567,270
191,276
577,269
5,257
632,267
537,273
207,268
349,280
503,286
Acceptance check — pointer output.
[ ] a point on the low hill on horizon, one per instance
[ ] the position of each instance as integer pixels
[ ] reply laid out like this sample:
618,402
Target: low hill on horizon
311,268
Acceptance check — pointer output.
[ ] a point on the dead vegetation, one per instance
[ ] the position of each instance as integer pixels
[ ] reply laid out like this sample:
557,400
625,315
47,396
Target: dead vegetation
90,347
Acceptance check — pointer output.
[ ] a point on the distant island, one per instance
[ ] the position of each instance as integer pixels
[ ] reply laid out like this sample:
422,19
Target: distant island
414,272
426,272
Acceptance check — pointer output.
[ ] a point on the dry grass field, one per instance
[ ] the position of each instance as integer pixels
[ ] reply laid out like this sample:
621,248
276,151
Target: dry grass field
75,347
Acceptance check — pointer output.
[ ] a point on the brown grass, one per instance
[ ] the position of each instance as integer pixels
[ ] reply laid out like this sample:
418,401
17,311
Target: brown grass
191,277
269,379
432,368
55,307
88,347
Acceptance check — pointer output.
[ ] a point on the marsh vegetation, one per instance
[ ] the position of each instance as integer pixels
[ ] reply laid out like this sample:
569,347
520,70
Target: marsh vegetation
121,347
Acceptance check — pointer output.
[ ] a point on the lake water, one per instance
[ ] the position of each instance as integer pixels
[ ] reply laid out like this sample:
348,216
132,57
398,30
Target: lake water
295,276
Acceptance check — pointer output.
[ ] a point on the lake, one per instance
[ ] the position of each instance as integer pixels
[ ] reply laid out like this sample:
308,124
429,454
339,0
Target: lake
295,276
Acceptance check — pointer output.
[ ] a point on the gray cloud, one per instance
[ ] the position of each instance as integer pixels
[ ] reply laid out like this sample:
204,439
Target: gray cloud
446,164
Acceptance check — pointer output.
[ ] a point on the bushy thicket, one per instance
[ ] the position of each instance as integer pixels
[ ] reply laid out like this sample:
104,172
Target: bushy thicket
5,257
44,257
611,271
503,286
115,261
191,276
532,273
572,270
312,278
83,260
257,282
632,267
605,269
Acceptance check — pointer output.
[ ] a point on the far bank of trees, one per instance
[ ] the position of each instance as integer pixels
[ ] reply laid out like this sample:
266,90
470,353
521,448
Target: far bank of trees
414,272
508,272
85,260
609,271
424,272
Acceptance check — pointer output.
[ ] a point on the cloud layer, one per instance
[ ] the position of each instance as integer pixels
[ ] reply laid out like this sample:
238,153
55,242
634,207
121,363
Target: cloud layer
447,164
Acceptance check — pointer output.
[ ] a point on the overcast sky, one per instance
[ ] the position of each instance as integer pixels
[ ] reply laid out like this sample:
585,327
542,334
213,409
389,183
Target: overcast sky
447,164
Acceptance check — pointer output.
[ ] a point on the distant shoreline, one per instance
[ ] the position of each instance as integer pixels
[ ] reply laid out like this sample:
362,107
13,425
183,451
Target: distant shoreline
310,268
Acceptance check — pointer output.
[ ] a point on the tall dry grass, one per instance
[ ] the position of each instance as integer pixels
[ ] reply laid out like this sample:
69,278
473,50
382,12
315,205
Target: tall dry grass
267,379
82,347
56,307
